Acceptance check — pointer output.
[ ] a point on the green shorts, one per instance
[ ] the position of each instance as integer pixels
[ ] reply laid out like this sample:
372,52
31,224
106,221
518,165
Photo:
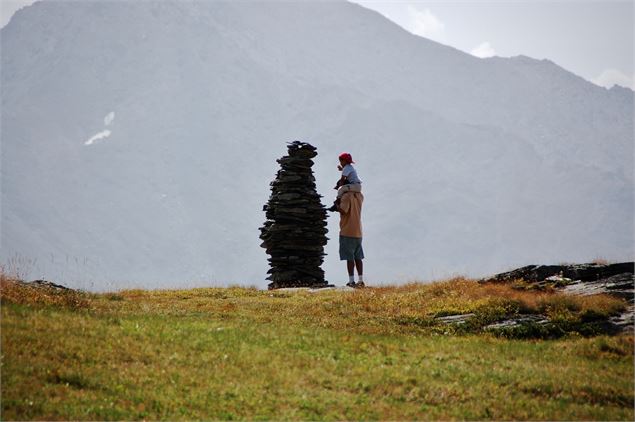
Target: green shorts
351,248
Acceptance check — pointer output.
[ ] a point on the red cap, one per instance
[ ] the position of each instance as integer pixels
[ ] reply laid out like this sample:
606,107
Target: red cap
346,157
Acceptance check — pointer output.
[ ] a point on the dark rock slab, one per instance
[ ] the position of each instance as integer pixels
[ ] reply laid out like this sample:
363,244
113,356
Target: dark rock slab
519,320
455,319
582,272
45,284
626,320
620,285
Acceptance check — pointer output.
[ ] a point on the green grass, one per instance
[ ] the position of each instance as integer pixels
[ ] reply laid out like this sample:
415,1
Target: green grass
240,353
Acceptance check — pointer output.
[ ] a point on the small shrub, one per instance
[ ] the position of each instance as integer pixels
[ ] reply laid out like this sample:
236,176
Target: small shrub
603,347
619,346
558,303
448,312
590,315
531,330
520,284
415,321
494,310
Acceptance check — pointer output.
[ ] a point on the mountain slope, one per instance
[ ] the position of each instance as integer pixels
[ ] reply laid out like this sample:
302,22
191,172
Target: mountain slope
139,138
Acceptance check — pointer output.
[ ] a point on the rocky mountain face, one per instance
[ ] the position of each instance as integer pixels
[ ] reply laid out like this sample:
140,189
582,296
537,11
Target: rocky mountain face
139,139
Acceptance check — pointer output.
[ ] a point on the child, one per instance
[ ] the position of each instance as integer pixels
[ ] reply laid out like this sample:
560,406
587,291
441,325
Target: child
349,182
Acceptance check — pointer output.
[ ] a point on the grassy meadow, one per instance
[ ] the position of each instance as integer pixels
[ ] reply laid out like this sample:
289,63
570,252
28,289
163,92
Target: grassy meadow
374,353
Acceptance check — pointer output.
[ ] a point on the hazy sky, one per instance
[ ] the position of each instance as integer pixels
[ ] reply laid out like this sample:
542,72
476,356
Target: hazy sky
591,38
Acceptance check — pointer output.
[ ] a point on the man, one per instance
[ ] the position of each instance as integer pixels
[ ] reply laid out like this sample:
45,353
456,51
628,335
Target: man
350,209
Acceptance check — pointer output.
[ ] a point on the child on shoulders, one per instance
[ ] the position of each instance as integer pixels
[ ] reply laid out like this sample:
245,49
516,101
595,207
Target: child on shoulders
349,182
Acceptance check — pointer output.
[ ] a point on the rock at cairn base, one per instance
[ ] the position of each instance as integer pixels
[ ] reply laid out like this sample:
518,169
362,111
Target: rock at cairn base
294,234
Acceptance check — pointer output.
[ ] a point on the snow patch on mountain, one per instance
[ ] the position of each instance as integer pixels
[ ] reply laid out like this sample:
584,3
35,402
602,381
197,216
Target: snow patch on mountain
109,118
98,136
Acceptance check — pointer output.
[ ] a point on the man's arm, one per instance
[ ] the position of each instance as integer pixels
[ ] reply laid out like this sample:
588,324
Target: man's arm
345,203
340,182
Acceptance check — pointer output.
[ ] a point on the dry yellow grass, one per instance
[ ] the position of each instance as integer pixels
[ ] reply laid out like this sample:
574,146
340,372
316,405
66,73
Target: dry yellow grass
408,308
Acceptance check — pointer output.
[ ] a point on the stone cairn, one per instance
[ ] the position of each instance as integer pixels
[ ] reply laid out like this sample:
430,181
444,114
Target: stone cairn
294,234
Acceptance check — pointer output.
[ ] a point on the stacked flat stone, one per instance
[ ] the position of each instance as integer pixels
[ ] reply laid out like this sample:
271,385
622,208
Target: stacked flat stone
294,234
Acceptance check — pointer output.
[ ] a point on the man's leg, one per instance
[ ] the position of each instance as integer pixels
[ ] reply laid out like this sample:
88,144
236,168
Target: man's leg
350,266
360,273
347,253
360,268
359,255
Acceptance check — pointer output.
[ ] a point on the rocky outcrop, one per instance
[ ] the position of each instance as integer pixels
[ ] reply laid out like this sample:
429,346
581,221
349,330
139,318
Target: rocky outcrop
577,279
294,234
455,319
522,319
582,272
581,279
45,284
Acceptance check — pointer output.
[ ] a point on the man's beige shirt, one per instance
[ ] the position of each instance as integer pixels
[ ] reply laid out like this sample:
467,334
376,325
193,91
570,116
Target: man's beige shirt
351,214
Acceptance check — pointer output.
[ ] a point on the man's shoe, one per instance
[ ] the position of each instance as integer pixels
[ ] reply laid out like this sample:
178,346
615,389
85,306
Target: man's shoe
351,284
359,285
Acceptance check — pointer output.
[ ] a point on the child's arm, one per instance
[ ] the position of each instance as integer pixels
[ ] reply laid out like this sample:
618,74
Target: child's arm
340,182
